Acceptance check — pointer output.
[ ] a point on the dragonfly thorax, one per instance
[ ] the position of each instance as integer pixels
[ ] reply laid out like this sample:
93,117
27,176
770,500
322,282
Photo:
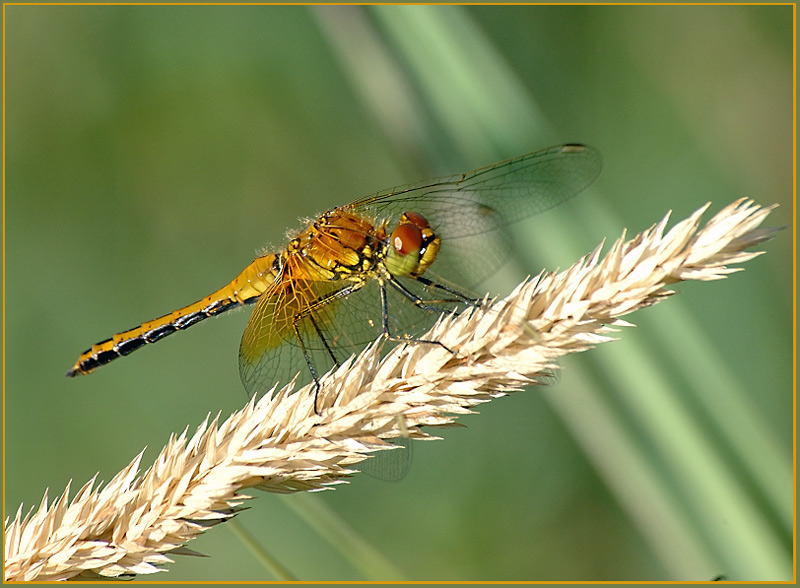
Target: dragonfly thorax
339,246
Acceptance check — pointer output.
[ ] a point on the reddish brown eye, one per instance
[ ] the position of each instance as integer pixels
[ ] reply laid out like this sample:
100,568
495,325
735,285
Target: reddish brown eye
407,238
416,219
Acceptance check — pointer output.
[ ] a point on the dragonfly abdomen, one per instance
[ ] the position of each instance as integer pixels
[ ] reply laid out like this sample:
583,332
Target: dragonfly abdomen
245,288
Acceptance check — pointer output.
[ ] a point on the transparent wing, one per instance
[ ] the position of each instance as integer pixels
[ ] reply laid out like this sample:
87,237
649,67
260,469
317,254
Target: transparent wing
271,352
390,465
470,211
269,327
514,189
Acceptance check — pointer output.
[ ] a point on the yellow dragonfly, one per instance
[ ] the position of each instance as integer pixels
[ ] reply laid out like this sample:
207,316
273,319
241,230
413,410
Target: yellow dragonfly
389,264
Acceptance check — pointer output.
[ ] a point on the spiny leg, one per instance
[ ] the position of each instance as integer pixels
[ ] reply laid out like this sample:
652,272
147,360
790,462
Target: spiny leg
309,363
459,296
416,300
309,313
429,304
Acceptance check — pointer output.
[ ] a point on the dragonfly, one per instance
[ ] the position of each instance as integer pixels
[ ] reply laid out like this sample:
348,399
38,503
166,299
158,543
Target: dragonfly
387,265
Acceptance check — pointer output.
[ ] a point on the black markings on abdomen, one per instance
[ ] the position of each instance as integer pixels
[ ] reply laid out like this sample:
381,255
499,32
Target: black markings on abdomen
221,306
130,345
189,320
154,335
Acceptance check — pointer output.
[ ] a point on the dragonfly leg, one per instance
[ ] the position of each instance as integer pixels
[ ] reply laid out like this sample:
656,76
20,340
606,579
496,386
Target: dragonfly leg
459,297
309,313
416,300
430,304
309,363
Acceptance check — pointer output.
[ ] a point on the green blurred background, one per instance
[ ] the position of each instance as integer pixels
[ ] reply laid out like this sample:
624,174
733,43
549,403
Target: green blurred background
152,150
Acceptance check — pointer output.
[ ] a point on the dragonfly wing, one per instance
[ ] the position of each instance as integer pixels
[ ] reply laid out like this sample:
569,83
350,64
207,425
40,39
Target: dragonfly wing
516,188
287,329
269,327
391,465
271,352
530,184
301,321
470,211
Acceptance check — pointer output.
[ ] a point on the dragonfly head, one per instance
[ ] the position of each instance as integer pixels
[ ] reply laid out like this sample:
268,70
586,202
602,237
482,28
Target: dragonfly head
413,246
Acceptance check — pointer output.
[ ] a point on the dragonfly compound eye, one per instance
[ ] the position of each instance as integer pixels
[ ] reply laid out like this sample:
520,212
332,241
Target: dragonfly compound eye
413,246
415,219
403,250
407,238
